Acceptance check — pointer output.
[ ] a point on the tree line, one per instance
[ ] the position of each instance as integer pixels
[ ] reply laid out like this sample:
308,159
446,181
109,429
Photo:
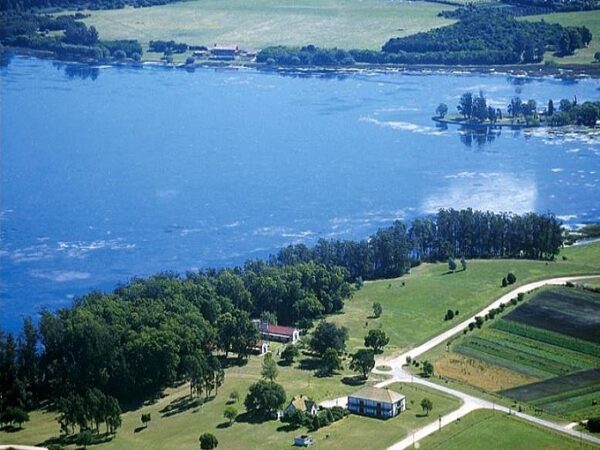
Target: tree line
77,42
26,5
569,112
390,252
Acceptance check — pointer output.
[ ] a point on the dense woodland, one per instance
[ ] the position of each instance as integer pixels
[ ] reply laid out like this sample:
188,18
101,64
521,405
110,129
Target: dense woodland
113,349
76,42
478,38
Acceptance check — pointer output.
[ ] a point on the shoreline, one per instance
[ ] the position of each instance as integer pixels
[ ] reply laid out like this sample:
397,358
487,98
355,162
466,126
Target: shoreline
565,72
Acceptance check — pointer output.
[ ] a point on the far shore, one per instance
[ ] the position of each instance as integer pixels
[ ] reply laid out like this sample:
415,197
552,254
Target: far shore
567,71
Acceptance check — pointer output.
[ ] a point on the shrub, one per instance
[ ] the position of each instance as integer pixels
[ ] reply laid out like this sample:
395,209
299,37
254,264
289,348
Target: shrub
504,282
593,424
511,278
449,315
513,301
520,297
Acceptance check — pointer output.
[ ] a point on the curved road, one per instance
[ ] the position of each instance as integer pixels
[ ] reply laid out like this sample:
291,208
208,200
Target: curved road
470,403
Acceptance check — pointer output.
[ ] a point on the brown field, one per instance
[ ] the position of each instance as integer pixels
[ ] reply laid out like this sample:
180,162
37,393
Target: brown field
478,373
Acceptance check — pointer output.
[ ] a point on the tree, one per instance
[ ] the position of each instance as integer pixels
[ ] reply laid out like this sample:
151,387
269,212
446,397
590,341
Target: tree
330,362
289,353
442,110
230,413
146,418
264,397
427,405
14,414
84,438
479,109
427,368
465,105
597,56
326,336
296,418
449,315
550,110
377,310
451,264
268,317
208,441
363,361
234,396
376,339
463,263
511,278
593,424
504,282
269,369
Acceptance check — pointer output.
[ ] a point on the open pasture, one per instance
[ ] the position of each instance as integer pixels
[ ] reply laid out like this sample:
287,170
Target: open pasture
483,430
414,305
330,23
569,311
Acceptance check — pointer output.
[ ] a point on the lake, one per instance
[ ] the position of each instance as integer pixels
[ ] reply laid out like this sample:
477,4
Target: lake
116,172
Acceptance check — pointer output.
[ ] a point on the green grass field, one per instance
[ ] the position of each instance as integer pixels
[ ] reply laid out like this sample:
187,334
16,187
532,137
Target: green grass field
181,430
590,19
256,24
415,312
482,430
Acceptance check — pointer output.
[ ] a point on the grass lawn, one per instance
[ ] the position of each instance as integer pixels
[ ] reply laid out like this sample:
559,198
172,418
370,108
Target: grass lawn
415,311
590,19
181,429
256,24
481,430
356,432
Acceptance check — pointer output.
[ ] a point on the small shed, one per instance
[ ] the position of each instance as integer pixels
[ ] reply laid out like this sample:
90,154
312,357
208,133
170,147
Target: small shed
303,441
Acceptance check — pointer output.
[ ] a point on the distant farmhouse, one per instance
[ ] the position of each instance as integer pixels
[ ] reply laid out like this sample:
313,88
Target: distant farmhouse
302,404
224,52
376,402
270,332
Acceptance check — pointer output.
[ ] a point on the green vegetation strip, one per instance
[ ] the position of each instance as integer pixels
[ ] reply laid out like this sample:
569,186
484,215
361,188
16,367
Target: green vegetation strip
547,336
482,430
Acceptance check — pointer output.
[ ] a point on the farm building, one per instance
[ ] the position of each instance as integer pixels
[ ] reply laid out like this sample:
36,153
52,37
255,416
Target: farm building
376,402
261,348
301,403
277,333
224,52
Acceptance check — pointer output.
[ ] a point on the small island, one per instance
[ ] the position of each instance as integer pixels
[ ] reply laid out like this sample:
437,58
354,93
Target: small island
474,112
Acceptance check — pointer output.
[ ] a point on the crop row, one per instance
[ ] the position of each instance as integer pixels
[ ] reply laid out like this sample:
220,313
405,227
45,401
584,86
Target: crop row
571,405
507,361
524,357
573,359
548,337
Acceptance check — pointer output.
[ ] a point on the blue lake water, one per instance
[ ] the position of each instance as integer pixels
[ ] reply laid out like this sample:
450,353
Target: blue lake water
132,171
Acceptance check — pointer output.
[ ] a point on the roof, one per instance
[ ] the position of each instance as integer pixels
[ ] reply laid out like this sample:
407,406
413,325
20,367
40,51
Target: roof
302,403
378,395
231,48
280,329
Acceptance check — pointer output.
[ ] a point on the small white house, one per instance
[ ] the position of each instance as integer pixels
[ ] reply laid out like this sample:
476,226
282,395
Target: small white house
278,333
301,403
